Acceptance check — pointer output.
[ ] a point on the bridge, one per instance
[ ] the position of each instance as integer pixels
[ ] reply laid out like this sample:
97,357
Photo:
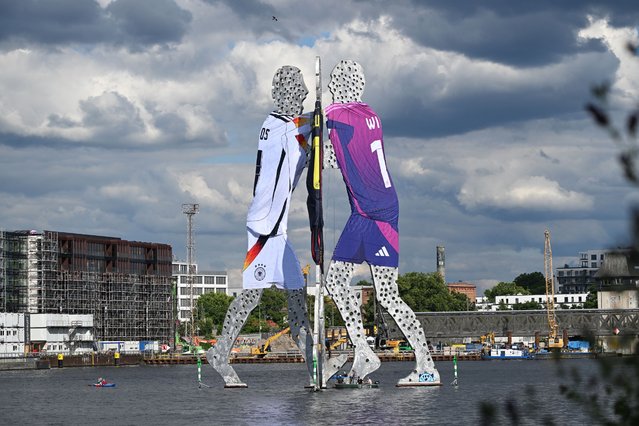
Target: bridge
575,322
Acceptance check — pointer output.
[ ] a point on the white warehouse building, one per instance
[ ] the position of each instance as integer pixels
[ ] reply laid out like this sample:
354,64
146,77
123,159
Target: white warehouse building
568,300
11,335
23,333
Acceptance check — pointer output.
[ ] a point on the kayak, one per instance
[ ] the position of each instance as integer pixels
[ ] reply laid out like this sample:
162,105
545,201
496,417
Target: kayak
105,385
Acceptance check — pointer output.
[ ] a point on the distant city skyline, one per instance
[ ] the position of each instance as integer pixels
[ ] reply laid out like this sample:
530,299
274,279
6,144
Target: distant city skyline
115,113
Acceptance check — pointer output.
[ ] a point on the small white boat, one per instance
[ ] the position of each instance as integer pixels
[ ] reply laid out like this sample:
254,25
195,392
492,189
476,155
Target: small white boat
503,353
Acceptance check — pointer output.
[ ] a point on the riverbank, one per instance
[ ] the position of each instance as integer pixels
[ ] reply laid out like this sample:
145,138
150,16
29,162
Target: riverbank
115,359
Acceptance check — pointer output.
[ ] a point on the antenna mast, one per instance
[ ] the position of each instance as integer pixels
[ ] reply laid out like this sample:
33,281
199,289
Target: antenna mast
190,210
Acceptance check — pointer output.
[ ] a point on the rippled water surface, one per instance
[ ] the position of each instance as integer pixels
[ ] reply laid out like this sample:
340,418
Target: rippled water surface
152,395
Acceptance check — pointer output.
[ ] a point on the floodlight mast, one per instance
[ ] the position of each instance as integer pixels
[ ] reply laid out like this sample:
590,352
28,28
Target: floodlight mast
190,210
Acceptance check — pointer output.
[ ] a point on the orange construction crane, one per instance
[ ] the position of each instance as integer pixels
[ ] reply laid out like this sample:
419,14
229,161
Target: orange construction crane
554,341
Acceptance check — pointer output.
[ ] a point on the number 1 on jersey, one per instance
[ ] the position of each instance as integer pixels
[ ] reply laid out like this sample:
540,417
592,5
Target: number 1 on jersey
376,146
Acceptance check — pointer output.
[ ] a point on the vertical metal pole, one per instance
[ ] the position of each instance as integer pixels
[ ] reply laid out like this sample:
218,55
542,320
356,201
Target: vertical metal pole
316,313
322,338
318,330
190,210
455,368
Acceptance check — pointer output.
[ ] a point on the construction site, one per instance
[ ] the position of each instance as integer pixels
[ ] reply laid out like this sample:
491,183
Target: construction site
126,286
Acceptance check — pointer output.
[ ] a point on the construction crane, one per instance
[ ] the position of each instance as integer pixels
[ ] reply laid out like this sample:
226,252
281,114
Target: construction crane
305,270
488,339
262,350
554,341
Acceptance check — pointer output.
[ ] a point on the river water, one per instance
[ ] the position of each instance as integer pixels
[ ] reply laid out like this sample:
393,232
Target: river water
158,395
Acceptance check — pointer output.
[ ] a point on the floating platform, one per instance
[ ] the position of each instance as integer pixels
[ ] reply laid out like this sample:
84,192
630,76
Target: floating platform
356,385
417,384
236,386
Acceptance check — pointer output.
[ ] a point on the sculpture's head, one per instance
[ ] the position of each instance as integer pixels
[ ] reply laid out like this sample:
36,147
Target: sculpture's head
347,82
289,90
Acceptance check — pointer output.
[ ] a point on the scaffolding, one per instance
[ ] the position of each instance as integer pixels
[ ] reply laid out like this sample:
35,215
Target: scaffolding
47,266
14,271
3,285
124,306
126,286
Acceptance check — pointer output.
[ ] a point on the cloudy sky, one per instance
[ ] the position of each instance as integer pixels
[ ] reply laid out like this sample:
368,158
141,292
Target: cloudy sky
115,113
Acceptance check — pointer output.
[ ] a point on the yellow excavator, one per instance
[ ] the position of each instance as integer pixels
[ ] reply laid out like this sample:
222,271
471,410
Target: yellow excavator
264,349
554,341
488,339
338,343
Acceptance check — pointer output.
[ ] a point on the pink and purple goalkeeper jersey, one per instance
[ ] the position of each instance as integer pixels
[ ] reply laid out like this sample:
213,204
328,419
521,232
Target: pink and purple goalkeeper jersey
371,233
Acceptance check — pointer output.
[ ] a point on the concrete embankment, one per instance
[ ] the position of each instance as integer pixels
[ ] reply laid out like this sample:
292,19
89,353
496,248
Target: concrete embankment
57,361
114,359
18,363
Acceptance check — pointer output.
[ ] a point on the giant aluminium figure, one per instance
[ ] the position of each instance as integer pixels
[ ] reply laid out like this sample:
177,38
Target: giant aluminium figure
270,260
371,232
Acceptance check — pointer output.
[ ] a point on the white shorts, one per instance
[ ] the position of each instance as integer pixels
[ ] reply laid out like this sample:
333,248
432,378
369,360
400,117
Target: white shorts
274,263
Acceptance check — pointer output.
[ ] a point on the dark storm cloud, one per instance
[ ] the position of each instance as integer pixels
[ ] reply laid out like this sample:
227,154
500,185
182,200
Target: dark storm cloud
148,22
133,23
171,125
111,114
418,115
248,8
517,33
292,23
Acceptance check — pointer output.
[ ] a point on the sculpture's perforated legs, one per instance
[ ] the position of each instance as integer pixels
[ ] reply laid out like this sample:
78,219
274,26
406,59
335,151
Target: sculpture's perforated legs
338,281
236,316
425,373
300,329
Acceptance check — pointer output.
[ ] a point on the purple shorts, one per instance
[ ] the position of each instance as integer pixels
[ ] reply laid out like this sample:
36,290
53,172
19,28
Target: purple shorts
367,240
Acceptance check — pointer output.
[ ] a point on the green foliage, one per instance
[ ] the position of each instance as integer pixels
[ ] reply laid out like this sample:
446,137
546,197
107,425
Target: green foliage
271,313
534,282
591,300
332,317
253,325
368,312
505,289
526,306
212,309
427,292
274,306
502,306
205,327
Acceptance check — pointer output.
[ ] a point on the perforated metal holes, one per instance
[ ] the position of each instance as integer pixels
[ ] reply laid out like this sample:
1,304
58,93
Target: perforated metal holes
347,82
289,90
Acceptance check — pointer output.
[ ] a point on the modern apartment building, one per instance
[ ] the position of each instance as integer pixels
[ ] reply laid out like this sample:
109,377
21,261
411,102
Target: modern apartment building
125,285
203,282
577,278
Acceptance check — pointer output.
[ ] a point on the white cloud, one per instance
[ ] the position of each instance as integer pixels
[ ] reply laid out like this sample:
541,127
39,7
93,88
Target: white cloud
626,82
534,192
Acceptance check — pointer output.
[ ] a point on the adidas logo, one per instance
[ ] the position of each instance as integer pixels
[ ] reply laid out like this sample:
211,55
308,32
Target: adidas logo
382,252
